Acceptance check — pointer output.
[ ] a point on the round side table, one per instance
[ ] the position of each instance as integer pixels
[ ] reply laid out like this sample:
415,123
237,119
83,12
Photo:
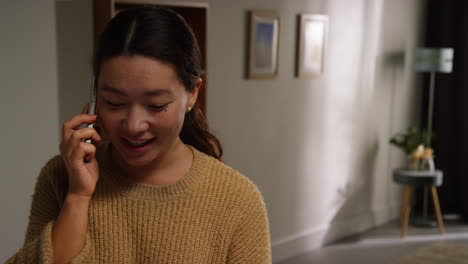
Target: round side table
410,179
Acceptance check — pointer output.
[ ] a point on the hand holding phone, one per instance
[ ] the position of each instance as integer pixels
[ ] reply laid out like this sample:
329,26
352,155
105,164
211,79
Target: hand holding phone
82,176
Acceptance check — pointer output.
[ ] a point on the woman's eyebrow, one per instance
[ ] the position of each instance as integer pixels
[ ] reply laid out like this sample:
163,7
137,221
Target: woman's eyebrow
158,92
110,89
152,93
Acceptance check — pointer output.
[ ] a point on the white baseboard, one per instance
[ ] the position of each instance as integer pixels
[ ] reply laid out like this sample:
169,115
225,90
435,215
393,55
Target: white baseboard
317,237
298,244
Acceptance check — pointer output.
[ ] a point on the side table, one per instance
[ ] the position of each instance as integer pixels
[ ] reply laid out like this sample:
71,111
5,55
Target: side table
411,179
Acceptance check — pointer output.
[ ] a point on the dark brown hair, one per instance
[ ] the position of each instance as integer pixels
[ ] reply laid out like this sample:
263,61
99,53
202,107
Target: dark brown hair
164,35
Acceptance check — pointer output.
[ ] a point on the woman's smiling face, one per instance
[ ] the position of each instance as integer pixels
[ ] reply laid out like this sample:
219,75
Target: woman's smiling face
141,105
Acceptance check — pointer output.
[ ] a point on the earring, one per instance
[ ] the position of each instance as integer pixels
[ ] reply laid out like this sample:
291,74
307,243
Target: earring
189,108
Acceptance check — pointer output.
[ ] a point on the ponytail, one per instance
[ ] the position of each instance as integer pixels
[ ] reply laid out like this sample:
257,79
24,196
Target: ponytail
195,133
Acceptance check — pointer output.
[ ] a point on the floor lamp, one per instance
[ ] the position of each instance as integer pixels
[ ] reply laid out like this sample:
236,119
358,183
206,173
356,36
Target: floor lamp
432,60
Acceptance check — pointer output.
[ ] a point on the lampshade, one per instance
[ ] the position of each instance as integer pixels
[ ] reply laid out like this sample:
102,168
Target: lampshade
434,60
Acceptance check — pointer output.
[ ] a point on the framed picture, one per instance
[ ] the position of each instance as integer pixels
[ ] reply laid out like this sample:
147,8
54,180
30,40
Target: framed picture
263,45
312,41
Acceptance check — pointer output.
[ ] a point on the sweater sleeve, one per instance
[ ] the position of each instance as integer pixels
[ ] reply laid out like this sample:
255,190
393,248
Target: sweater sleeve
251,241
46,203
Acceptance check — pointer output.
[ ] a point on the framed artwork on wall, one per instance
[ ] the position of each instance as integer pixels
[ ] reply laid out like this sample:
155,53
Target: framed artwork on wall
312,42
263,45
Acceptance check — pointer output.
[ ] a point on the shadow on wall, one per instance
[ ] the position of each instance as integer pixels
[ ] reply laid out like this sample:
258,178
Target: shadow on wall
354,200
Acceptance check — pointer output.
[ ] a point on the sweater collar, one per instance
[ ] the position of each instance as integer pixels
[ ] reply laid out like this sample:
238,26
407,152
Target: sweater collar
115,182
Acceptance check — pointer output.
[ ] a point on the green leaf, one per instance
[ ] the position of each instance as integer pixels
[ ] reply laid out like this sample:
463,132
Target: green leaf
410,139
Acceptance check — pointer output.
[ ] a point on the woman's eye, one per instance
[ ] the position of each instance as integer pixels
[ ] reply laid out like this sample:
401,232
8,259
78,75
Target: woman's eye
112,104
158,107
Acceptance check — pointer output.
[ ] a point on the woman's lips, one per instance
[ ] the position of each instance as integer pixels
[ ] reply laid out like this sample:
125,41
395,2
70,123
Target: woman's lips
137,146
137,143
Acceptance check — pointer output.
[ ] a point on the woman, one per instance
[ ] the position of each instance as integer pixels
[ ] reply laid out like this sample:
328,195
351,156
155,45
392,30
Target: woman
154,191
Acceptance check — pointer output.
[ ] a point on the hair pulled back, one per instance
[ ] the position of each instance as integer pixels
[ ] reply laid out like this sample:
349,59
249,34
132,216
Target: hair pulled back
164,35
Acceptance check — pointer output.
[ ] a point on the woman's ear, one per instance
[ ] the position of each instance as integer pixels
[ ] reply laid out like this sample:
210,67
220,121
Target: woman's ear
193,95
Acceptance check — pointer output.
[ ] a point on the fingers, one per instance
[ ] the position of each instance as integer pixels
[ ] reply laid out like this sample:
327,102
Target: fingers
84,150
74,123
72,145
85,133
77,154
75,149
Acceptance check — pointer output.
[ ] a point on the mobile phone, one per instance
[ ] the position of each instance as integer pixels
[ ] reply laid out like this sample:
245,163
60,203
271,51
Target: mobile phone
92,104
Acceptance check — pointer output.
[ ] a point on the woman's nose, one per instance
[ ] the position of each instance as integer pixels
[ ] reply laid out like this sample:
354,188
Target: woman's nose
136,122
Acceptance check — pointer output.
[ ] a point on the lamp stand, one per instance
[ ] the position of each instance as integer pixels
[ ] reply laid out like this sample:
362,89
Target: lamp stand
424,221
430,109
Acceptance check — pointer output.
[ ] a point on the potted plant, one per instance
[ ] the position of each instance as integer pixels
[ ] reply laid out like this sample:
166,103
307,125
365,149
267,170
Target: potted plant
414,142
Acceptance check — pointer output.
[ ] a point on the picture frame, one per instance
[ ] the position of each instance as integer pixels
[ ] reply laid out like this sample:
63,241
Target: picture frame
264,27
312,44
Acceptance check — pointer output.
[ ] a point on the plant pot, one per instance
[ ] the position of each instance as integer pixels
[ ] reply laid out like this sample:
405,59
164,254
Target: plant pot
426,164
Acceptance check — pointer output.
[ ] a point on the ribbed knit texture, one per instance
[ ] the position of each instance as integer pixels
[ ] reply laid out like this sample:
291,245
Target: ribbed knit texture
212,215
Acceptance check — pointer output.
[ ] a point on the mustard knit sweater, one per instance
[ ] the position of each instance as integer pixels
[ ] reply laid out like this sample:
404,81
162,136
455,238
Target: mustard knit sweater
212,215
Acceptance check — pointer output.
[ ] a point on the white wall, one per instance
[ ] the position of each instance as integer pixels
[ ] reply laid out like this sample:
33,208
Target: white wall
318,149
28,107
75,36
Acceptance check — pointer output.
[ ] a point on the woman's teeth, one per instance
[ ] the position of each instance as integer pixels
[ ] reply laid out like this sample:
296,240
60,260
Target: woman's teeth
137,143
